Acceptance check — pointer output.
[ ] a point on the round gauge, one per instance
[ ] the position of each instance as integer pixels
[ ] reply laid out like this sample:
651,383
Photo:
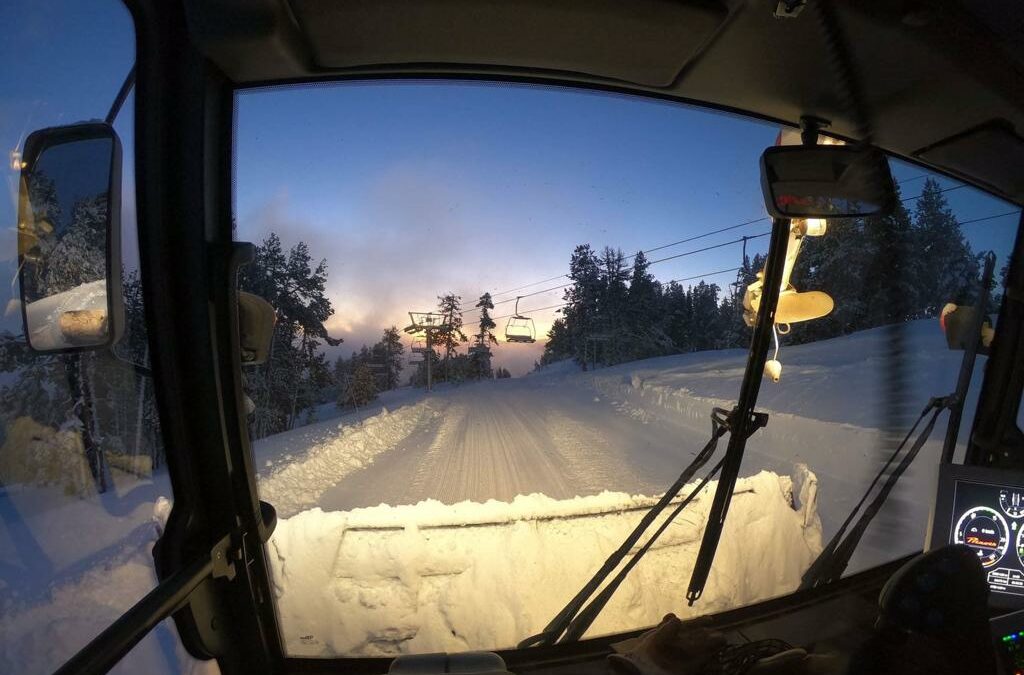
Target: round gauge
985,531
1012,503
1020,544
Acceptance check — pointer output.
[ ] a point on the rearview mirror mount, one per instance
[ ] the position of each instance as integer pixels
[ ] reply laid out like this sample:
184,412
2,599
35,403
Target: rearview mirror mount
69,238
826,181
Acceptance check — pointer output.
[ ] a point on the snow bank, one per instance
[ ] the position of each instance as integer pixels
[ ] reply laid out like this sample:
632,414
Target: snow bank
59,590
839,380
36,454
299,481
433,577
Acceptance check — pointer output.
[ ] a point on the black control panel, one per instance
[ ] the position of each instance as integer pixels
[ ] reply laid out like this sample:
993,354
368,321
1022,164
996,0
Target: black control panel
983,509
1008,637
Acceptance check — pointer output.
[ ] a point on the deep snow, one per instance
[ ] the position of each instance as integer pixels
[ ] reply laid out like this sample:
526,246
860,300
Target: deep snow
433,577
71,563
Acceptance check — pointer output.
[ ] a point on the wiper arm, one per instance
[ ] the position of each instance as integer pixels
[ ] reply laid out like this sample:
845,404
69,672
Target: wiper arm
835,557
582,622
744,420
558,625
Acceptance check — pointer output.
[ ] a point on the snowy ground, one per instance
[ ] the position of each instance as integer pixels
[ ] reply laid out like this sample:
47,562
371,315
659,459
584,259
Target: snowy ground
68,564
433,577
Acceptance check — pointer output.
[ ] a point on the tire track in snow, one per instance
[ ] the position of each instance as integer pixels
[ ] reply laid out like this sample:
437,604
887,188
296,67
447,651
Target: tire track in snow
589,456
496,449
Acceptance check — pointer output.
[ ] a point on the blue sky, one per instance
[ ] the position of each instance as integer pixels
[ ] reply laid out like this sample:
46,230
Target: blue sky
63,62
410,189
413,189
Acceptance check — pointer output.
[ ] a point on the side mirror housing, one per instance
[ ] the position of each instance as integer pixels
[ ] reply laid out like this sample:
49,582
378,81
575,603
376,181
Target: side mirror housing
826,181
256,320
69,238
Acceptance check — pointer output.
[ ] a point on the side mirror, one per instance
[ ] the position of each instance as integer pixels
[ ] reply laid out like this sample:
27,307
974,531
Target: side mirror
256,320
69,238
826,181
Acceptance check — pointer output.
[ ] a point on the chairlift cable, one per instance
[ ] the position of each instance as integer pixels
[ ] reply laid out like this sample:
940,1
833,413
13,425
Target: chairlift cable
1000,215
742,240
698,276
670,281
701,236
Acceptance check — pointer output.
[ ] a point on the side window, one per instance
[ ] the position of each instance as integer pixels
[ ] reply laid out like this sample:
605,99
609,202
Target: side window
83,481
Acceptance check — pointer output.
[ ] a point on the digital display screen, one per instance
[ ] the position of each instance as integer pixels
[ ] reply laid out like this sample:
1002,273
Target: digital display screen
990,520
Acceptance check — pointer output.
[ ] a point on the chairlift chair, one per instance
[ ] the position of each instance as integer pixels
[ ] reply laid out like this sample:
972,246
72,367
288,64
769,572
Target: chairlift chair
520,328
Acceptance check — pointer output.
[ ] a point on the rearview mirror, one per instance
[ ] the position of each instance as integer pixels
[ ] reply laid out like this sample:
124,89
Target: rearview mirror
826,181
69,238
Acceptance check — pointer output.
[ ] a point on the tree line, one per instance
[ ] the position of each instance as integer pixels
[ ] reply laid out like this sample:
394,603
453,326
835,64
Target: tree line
879,271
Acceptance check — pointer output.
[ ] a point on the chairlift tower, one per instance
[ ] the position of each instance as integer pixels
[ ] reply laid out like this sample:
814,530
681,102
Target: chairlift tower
427,323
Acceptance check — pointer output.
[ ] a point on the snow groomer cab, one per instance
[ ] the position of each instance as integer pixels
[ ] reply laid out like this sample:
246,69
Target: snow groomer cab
130,261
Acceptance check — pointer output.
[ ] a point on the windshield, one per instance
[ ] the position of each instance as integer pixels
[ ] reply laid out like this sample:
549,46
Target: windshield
504,316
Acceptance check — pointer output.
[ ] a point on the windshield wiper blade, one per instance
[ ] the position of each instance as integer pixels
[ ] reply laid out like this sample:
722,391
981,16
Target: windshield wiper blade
585,618
558,625
835,557
744,421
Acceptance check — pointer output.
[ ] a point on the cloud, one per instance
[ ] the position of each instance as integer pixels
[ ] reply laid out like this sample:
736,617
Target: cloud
403,241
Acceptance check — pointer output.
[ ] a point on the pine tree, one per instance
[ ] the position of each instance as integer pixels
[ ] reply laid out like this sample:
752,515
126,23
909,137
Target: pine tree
480,357
79,256
677,315
705,316
362,388
388,353
289,383
582,298
559,344
890,281
646,336
449,306
612,315
947,268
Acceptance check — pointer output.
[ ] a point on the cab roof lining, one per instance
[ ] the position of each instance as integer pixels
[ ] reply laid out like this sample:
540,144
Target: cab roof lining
932,71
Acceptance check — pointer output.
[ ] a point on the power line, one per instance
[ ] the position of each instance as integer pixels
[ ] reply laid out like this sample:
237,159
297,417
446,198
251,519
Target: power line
519,288
531,311
938,192
629,269
646,251
701,276
714,232
708,248
731,269
534,310
1000,215
701,236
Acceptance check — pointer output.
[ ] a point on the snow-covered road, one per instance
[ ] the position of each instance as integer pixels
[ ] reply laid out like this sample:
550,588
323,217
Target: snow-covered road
496,440
629,428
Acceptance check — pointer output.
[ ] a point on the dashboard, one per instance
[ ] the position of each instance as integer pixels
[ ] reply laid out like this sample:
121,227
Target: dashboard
983,509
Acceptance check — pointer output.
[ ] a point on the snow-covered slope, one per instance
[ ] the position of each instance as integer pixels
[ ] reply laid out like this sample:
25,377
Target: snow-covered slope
560,432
